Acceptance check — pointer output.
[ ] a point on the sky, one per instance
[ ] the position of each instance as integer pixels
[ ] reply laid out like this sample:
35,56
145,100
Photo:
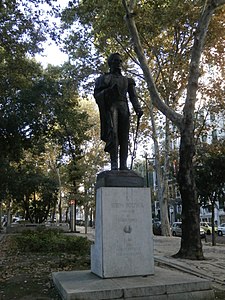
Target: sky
51,55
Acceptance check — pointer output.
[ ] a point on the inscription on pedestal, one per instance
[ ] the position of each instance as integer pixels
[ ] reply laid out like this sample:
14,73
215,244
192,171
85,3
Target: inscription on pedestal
125,218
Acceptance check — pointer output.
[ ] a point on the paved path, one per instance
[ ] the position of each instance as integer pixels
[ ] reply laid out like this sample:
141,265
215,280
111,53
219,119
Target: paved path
212,268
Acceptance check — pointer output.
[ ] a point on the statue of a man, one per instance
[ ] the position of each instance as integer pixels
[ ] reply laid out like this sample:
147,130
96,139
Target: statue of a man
110,93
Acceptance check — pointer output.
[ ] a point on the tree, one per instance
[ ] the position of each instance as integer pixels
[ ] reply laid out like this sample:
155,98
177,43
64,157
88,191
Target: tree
30,189
36,106
39,107
210,168
158,22
190,242
23,27
93,159
67,130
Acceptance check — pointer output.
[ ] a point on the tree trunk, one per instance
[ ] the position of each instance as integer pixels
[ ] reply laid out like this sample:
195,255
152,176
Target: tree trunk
86,213
191,246
60,195
161,196
9,216
0,215
53,212
213,222
67,212
60,207
165,179
26,200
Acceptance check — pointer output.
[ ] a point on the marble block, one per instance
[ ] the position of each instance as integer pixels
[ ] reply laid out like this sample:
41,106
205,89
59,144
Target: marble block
123,233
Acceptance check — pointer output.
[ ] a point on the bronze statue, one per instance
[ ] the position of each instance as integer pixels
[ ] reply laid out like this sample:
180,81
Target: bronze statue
110,93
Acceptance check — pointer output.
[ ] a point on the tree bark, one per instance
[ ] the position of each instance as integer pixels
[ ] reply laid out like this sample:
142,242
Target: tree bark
59,195
213,221
161,197
191,246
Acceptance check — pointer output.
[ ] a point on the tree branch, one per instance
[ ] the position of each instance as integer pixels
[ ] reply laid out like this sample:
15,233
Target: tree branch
197,49
219,3
155,97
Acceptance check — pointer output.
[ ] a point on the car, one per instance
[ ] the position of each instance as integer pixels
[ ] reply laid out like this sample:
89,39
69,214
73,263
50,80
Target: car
16,219
177,231
221,229
80,222
208,227
202,233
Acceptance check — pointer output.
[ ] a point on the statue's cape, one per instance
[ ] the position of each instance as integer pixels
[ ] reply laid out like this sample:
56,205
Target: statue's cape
104,102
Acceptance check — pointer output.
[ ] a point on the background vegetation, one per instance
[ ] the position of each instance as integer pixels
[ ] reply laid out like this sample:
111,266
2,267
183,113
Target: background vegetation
49,128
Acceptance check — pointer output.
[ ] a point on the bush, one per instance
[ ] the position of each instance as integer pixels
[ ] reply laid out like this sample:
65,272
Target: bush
52,241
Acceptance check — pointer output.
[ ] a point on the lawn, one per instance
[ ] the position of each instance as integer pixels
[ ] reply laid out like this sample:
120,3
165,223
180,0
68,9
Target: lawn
27,262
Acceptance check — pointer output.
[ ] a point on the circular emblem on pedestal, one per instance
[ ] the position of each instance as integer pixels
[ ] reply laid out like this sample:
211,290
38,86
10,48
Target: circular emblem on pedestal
127,229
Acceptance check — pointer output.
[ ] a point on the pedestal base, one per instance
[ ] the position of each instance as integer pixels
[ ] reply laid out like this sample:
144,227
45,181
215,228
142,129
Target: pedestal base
125,178
123,233
164,285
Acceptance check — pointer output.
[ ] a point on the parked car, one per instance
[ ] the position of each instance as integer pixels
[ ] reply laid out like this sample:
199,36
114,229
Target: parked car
221,229
177,231
80,222
202,233
208,227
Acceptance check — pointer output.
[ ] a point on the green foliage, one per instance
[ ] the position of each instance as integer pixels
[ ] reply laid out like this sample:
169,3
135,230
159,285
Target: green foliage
210,172
163,25
39,107
52,241
24,25
166,30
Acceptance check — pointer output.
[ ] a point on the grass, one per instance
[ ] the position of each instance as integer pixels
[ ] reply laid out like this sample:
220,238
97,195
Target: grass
27,261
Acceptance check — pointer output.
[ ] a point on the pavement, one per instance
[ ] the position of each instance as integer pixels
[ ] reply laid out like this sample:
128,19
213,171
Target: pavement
212,268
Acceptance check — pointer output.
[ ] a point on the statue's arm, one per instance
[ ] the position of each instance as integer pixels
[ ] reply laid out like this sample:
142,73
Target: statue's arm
134,97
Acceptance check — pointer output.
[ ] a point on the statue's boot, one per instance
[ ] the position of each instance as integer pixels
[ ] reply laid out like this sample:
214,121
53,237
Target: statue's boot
123,164
114,162
124,153
114,165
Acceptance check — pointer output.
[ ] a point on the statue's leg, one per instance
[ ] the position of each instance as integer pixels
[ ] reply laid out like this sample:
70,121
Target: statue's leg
114,151
123,134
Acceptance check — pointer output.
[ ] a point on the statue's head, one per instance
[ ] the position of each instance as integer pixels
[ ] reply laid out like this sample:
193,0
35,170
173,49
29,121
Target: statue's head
115,61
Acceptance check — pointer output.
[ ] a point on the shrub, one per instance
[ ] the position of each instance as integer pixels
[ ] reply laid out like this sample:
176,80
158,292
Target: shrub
52,241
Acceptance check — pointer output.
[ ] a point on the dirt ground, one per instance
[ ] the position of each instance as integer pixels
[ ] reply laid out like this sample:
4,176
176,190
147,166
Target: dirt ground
28,276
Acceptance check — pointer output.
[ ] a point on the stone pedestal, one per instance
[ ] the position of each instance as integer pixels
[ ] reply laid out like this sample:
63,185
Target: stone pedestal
166,284
123,233
123,251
